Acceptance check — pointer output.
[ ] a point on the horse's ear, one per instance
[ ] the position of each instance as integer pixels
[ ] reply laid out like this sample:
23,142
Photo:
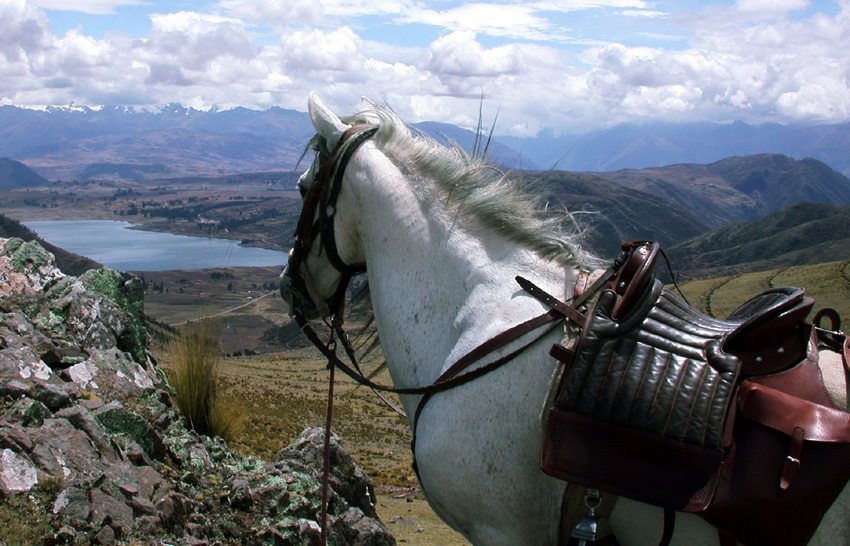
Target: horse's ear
369,110
326,122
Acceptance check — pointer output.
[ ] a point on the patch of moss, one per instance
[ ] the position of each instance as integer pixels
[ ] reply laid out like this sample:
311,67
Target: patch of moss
71,360
29,255
13,244
120,421
61,288
129,296
103,363
53,320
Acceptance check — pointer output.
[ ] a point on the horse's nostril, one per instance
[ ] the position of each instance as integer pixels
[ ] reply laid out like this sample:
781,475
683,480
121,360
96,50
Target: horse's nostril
285,284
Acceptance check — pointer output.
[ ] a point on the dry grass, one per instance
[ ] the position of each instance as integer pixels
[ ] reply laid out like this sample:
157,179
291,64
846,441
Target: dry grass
828,283
194,357
281,394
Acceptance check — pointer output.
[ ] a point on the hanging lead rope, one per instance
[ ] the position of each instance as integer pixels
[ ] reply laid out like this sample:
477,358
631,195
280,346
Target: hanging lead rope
326,452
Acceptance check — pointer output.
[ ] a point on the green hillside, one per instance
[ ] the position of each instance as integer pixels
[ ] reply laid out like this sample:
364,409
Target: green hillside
14,174
739,189
802,234
828,283
612,212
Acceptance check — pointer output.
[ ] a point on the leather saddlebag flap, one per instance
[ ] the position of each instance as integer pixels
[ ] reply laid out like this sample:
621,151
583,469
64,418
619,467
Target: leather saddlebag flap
645,467
759,502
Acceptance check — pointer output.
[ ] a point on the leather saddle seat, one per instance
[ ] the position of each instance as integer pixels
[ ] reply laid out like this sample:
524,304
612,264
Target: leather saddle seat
768,332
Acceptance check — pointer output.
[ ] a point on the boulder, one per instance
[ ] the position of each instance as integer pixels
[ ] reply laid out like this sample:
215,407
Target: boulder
88,431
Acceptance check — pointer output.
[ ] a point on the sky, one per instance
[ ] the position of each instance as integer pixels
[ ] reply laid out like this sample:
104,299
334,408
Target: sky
547,65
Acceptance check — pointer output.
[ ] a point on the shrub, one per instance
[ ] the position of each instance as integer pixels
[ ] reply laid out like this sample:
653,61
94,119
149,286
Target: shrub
193,356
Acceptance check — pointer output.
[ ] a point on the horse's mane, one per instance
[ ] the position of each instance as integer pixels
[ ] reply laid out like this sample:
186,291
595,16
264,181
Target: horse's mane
477,190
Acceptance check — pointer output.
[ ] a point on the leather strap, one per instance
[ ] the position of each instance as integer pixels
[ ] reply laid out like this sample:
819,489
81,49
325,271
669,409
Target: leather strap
443,382
669,527
785,413
496,342
562,308
326,461
792,460
847,367
448,380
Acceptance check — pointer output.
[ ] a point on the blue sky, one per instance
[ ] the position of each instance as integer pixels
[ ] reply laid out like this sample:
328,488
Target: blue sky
565,65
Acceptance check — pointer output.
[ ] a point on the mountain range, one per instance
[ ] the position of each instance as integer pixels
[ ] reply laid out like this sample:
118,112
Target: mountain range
120,143
738,188
716,212
746,198
658,144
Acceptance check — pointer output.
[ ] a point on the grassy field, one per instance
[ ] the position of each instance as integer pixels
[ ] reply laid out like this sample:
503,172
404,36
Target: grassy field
283,391
828,283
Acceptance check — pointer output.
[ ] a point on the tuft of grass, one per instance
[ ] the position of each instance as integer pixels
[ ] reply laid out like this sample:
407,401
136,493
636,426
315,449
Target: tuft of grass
194,356
25,518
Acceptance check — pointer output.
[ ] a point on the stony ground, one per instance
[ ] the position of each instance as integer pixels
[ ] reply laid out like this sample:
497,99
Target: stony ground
93,451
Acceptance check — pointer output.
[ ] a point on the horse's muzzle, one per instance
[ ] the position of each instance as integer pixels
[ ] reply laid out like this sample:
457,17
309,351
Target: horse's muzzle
295,294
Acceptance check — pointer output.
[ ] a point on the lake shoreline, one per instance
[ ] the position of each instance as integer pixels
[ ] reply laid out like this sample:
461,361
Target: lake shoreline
25,215
127,246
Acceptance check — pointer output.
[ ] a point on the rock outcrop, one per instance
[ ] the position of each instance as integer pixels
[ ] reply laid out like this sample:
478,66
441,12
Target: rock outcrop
92,447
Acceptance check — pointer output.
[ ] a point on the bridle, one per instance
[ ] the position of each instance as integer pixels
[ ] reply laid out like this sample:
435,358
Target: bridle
322,198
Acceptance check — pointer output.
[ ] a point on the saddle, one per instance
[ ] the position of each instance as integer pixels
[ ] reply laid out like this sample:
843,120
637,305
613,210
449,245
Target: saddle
730,418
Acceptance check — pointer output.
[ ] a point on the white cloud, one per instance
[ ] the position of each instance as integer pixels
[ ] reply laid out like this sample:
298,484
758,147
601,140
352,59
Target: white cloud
273,12
94,7
23,30
726,63
192,41
577,5
358,8
770,6
458,54
316,50
647,13
507,20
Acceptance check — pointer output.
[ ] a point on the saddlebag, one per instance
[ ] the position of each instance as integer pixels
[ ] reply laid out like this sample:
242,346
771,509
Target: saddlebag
665,405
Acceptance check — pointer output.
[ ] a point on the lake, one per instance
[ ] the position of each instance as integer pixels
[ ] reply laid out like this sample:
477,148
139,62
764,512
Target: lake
113,244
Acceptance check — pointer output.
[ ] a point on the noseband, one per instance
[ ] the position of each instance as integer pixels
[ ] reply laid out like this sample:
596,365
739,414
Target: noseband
323,195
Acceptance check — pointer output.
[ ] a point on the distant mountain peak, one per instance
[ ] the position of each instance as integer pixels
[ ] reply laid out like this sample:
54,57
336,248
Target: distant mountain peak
176,108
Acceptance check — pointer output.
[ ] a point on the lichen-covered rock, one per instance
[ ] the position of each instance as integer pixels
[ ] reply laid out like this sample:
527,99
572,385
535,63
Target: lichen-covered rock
25,268
85,421
346,478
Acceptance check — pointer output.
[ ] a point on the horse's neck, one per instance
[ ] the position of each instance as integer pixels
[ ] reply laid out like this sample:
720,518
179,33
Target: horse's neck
437,289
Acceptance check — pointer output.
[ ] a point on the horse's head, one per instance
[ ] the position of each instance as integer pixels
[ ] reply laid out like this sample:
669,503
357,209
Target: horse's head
323,259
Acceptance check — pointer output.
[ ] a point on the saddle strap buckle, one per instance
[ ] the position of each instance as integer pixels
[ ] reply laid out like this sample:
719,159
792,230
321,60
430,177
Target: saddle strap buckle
792,460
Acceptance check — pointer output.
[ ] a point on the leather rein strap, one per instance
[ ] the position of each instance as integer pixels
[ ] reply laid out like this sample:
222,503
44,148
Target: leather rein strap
322,196
450,378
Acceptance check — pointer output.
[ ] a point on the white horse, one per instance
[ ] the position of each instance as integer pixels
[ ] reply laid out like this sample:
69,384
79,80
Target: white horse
443,237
